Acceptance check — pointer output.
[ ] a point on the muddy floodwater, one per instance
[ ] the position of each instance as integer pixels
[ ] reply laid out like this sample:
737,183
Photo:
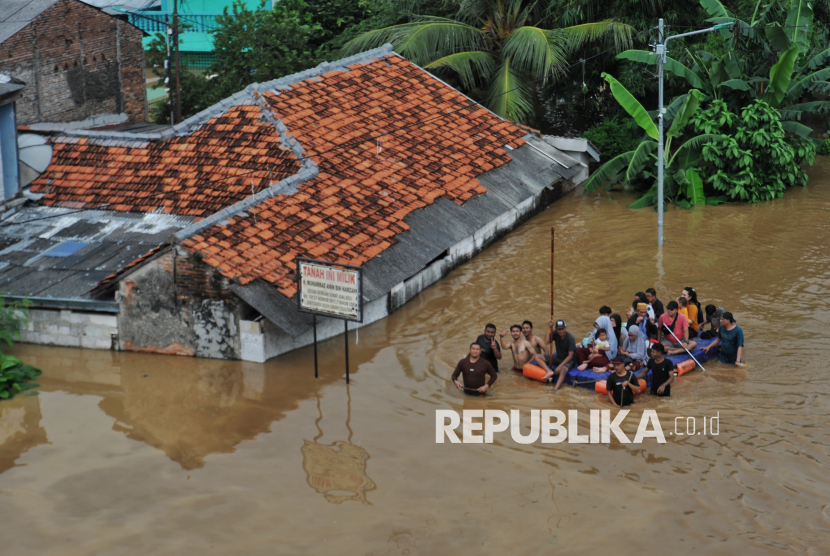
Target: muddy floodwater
132,454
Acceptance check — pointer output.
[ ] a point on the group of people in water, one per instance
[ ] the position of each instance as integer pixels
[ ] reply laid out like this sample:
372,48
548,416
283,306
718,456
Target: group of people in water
628,349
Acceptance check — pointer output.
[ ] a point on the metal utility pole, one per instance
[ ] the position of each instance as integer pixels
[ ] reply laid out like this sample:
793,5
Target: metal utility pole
661,50
168,66
178,66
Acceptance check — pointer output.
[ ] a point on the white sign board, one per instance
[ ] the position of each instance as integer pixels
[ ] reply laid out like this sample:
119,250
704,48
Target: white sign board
331,290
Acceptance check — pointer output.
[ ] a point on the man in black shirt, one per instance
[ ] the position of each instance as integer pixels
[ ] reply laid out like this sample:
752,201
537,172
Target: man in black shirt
656,304
490,350
473,367
661,371
621,385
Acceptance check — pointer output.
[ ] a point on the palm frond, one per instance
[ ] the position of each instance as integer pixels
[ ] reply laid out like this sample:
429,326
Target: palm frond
472,68
509,96
535,51
422,41
580,34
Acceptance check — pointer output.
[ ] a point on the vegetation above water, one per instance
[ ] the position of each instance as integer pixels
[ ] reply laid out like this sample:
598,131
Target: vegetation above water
749,97
15,375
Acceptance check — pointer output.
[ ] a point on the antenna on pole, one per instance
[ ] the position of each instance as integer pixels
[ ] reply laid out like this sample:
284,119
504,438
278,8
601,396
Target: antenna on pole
178,65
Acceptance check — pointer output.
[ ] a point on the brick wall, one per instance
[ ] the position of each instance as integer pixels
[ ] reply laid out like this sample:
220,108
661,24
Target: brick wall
175,304
77,62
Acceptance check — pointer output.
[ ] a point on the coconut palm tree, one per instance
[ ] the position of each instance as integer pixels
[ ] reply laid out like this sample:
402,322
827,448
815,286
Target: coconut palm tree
497,47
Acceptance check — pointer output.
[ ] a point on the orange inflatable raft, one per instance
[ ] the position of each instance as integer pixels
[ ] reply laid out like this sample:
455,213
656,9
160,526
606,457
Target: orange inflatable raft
685,366
599,387
534,371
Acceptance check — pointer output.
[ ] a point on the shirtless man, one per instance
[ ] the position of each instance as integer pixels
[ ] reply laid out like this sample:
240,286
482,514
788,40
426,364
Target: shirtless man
522,351
535,341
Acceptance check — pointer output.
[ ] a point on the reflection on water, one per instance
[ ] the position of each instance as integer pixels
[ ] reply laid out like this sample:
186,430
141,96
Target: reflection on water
20,428
139,454
337,470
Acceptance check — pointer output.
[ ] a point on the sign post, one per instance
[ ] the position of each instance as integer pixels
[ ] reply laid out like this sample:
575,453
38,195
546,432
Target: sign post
332,290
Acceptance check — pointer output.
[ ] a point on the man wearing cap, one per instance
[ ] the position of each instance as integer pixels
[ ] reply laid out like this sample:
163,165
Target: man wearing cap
643,321
562,359
678,338
731,338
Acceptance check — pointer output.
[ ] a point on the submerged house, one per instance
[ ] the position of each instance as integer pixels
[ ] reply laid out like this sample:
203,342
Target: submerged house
183,240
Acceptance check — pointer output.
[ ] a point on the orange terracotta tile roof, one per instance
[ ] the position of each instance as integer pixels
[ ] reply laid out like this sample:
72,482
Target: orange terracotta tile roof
388,139
197,174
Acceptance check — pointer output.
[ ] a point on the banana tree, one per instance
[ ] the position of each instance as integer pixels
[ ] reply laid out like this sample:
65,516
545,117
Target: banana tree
636,168
794,70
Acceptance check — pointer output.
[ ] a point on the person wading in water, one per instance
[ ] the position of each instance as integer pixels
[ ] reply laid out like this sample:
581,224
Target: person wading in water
473,368
522,350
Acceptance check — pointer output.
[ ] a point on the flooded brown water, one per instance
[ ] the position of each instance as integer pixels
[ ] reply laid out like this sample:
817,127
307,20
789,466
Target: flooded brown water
131,454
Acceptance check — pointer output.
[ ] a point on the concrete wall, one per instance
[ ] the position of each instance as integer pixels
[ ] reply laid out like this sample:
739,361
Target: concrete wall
262,340
56,327
77,62
175,304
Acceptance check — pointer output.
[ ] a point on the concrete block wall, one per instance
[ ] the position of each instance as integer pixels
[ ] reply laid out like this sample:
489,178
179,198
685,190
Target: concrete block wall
77,62
56,327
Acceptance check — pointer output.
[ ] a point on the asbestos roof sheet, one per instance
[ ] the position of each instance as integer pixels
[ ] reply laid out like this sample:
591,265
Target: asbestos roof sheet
17,14
56,252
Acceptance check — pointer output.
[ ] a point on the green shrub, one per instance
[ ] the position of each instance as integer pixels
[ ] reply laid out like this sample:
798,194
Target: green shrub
612,137
758,160
15,376
825,147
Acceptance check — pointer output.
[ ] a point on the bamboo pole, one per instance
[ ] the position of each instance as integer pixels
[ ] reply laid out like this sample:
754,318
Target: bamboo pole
552,293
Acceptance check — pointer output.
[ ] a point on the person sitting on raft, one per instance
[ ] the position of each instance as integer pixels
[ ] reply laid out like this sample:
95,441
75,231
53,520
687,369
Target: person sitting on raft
678,339
731,336
656,304
642,321
661,371
534,340
602,323
640,297
634,349
691,296
621,384
713,316
562,358
522,350
473,368
683,307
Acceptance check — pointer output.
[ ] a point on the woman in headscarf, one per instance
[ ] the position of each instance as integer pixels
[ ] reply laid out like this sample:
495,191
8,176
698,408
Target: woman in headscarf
603,323
634,349
616,321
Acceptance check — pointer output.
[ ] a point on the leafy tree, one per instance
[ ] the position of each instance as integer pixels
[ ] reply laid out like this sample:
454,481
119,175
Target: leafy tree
495,48
612,137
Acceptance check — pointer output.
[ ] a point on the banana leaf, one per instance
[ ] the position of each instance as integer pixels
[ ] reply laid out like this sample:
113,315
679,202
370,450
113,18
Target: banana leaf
632,106
685,113
642,155
607,171
694,191
797,128
646,57
780,76
799,24
777,37
645,201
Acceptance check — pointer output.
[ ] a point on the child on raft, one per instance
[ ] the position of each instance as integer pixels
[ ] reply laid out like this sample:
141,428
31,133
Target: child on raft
601,345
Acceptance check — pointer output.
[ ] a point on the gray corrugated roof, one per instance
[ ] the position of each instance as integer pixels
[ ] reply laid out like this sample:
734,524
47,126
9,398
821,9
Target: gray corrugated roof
113,240
432,230
17,14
